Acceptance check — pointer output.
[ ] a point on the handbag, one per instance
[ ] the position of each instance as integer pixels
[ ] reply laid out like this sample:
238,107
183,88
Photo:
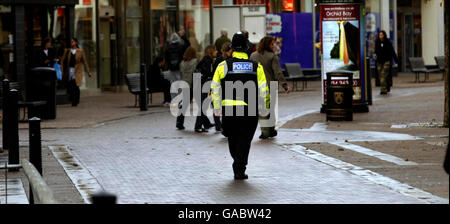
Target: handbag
57,67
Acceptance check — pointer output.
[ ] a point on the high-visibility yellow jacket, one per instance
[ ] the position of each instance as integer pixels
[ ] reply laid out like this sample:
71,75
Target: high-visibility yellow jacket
220,74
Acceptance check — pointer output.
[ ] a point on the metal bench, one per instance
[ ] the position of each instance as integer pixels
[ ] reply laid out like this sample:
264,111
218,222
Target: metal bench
440,61
295,73
418,66
133,82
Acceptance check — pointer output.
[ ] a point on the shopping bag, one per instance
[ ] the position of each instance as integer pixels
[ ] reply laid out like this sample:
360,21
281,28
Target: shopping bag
57,67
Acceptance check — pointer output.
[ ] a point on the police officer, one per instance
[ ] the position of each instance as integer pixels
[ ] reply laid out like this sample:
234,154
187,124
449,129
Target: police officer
238,84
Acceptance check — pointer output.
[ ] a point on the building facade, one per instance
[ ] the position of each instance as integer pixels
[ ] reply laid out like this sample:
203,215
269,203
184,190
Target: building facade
119,35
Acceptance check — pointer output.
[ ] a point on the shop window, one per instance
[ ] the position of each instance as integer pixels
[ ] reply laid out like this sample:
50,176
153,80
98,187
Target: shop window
6,42
133,43
85,24
195,22
164,24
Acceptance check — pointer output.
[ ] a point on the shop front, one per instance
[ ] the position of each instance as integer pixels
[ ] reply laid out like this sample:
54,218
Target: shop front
23,27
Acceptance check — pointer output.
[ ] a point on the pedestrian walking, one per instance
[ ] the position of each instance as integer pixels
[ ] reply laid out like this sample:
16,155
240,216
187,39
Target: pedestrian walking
205,67
271,64
174,55
187,68
226,52
221,40
156,81
251,47
45,56
384,54
239,127
72,63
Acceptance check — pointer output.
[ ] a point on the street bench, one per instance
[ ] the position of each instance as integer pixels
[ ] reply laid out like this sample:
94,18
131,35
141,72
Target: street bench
133,82
294,73
440,61
418,66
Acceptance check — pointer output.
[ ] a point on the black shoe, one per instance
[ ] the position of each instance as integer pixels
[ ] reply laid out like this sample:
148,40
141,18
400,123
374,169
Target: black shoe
219,130
200,130
209,126
262,136
273,134
180,127
241,177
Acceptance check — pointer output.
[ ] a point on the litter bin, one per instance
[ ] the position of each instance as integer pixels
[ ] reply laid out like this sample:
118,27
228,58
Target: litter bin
43,88
339,96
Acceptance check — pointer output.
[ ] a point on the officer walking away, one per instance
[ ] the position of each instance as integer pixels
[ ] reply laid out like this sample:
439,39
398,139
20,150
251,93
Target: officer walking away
229,103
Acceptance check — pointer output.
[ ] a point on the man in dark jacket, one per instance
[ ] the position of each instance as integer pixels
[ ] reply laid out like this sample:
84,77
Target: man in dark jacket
221,40
251,46
384,53
156,81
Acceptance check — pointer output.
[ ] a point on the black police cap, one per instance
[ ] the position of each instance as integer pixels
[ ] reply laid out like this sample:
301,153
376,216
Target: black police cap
239,42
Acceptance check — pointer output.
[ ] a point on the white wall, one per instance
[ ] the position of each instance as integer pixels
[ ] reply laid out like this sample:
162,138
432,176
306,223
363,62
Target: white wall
432,30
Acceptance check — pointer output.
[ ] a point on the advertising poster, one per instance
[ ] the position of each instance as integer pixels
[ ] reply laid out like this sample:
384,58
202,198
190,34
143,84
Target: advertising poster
341,46
293,37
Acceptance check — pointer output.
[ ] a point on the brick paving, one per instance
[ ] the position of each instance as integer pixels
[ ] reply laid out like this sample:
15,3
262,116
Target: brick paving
144,159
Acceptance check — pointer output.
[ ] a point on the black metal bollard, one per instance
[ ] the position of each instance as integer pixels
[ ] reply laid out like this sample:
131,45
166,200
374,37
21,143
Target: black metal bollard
5,113
13,127
369,81
143,94
103,198
34,129
35,143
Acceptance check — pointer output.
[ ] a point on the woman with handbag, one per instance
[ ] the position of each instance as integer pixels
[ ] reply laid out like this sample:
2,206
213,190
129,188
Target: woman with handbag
271,64
72,64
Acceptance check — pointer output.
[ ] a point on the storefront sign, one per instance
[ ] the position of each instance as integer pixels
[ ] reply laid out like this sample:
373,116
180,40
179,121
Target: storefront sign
250,2
287,5
273,23
342,45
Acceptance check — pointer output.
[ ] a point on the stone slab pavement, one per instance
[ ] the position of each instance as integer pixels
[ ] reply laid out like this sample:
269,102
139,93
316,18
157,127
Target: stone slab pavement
144,159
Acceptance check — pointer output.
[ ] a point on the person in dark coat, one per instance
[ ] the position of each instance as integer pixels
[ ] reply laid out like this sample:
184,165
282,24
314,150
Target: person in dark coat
205,67
156,81
384,54
45,56
251,47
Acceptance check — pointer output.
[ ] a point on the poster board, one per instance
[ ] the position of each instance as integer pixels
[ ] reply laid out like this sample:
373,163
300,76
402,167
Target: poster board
232,25
343,45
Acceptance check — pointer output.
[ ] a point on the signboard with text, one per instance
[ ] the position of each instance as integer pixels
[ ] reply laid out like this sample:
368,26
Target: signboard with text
343,45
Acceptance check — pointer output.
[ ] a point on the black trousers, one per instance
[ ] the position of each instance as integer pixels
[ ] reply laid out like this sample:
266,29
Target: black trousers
74,92
183,110
202,120
163,86
240,131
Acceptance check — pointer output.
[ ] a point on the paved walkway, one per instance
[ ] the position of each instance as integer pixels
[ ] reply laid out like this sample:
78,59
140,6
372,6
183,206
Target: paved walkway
144,159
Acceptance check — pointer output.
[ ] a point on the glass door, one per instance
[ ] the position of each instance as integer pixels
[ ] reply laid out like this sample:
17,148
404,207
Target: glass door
107,43
407,41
